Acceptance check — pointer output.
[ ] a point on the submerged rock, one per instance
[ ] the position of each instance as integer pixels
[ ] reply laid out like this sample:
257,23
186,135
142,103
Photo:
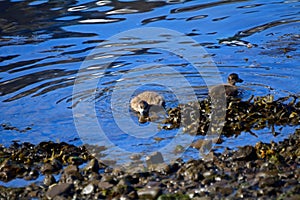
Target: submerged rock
154,159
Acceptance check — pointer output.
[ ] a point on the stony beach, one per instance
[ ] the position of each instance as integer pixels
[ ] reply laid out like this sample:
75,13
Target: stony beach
74,123
263,171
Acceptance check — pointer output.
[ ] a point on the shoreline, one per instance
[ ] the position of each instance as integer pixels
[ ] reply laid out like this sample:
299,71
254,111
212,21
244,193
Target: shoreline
261,171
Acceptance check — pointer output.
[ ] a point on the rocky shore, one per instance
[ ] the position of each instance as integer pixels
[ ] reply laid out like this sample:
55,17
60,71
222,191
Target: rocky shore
263,171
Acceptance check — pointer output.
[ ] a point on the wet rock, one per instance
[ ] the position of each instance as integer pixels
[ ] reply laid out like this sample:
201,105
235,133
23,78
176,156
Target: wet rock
93,176
123,187
270,182
32,175
225,191
154,184
88,189
133,195
6,176
105,185
191,171
33,194
155,158
245,153
51,167
210,157
92,166
149,193
47,168
49,180
70,174
162,168
173,197
108,178
135,156
59,189
71,169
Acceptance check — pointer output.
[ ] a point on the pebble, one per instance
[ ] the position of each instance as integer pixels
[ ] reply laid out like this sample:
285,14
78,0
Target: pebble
245,153
58,189
149,193
49,180
92,166
155,158
104,185
88,189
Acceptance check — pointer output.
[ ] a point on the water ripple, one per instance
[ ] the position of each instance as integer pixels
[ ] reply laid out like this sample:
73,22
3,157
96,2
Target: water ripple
43,44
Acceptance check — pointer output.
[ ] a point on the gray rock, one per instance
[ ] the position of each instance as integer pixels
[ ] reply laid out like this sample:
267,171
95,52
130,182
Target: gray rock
58,189
155,158
245,153
149,193
71,169
49,180
104,185
88,189
92,166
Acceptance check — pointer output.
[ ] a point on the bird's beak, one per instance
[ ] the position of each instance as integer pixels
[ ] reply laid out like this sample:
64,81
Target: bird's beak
142,119
141,113
240,80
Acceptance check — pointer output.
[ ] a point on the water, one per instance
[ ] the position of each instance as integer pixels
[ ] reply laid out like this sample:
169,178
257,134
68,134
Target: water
44,44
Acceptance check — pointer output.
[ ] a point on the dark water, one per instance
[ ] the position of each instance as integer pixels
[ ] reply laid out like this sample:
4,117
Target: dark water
43,46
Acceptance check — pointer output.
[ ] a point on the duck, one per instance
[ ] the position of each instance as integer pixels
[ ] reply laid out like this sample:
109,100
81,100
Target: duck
146,101
231,90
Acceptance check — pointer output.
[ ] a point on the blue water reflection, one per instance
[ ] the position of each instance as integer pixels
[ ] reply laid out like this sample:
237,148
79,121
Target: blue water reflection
43,44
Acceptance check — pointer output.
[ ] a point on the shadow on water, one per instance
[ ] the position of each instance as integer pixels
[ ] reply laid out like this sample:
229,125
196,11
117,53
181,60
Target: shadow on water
43,44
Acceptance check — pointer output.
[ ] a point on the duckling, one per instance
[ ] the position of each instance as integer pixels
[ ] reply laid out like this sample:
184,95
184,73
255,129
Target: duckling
231,90
143,102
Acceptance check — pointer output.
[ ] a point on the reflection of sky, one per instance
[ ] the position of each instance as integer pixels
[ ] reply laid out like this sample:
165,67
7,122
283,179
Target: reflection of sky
41,53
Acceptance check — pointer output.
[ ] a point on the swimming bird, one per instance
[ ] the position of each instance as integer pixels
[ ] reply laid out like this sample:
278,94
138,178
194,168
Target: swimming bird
146,101
230,89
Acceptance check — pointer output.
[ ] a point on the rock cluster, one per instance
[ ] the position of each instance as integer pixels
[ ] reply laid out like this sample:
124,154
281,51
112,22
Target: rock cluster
262,171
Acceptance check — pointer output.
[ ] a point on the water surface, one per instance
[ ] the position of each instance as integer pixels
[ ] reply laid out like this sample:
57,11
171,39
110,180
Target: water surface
43,45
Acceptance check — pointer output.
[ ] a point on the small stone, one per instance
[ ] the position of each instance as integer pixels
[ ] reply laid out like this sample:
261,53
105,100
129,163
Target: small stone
245,153
71,169
47,168
155,158
153,184
162,168
49,180
88,189
269,182
133,195
104,185
208,174
225,191
71,174
32,175
135,156
33,194
123,187
197,144
58,189
92,166
210,157
149,193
